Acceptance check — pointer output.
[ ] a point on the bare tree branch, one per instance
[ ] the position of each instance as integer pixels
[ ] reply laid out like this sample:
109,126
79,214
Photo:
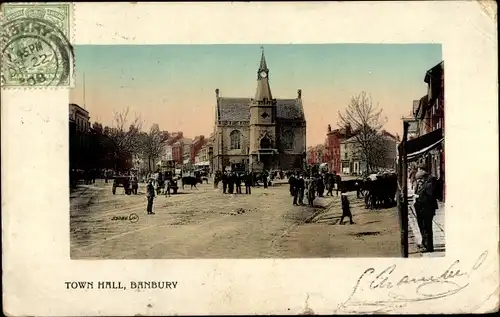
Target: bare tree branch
365,119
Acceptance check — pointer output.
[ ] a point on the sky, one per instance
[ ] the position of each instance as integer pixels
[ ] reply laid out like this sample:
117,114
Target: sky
174,85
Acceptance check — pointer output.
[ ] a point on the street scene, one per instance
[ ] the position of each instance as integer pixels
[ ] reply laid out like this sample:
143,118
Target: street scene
163,165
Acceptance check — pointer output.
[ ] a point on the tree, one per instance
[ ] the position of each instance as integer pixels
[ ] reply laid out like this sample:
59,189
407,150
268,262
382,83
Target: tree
366,122
124,143
153,144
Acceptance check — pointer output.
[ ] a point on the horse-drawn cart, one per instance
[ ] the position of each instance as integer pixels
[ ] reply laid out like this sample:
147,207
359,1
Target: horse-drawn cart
122,181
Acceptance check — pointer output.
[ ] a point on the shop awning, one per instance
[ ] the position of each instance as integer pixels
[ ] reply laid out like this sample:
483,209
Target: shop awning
417,147
416,155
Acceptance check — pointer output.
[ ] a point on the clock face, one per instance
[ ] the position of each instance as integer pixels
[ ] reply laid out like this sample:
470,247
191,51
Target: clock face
263,74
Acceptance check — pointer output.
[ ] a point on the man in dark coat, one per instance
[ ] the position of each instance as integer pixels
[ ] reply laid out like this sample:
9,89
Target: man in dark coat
346,208
230,183
237,181
338,181
298,196
331,184
248,183
224,182
320,185
425,207
291,182
150,196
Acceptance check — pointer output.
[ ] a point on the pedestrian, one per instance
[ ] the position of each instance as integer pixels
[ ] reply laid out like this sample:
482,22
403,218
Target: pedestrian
310,190
291,182
167,187
320,185
300,189
331,184
338,181
265,179
135,185
425,207
346,208
150,196
248,183
237,181
224,182
358,188
230,182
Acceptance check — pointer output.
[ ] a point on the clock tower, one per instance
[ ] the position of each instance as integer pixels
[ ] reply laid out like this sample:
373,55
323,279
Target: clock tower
262,122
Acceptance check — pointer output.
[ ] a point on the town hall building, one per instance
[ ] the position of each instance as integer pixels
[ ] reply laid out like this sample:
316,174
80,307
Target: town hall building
260,133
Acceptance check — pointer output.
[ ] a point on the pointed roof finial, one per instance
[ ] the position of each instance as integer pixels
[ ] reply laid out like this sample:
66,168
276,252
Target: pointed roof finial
263,65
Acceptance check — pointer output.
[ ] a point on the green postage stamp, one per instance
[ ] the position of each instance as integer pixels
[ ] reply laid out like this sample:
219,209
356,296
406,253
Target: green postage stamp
36,46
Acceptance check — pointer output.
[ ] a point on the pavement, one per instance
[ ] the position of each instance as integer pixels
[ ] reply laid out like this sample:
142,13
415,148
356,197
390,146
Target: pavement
204,223
415,237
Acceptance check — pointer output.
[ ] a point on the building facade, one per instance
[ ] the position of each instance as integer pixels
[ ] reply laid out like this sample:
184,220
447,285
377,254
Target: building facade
353,161
332,147
430,117
315,154
198,143
260,133
79,137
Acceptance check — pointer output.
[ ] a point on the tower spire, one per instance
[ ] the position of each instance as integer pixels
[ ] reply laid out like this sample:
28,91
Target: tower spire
263,65
263,90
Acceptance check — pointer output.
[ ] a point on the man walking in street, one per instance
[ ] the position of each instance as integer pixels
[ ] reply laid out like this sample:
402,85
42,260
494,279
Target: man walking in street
425,207
150,196
346,208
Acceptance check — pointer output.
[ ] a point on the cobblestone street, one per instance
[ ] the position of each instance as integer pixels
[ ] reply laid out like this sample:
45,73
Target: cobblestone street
204,223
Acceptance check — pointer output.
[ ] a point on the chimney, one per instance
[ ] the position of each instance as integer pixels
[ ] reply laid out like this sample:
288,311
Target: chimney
329,128
299,93
217,93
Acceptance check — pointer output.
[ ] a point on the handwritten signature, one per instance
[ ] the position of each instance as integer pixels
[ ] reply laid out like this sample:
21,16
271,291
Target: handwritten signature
384,291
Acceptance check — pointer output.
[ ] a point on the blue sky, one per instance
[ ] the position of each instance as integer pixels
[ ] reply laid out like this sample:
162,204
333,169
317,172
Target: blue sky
173,85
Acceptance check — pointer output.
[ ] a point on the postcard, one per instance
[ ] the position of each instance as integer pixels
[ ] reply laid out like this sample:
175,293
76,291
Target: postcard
249,158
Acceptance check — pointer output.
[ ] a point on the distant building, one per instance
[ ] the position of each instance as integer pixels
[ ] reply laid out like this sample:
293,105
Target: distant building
183,148
79,138
169,157
332,147
354,161
262,133
196,146
204,157
315,154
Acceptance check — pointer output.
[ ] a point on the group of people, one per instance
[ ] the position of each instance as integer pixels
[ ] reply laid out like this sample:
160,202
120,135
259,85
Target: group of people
233,181
426,192
316,185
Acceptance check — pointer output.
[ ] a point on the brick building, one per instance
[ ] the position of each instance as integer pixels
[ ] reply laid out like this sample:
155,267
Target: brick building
332,147
428,148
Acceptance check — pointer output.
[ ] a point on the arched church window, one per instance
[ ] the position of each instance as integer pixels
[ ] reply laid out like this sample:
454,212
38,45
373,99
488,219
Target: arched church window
235,136
288,140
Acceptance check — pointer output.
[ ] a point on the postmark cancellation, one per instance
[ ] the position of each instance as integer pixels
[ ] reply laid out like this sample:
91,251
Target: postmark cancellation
36,45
